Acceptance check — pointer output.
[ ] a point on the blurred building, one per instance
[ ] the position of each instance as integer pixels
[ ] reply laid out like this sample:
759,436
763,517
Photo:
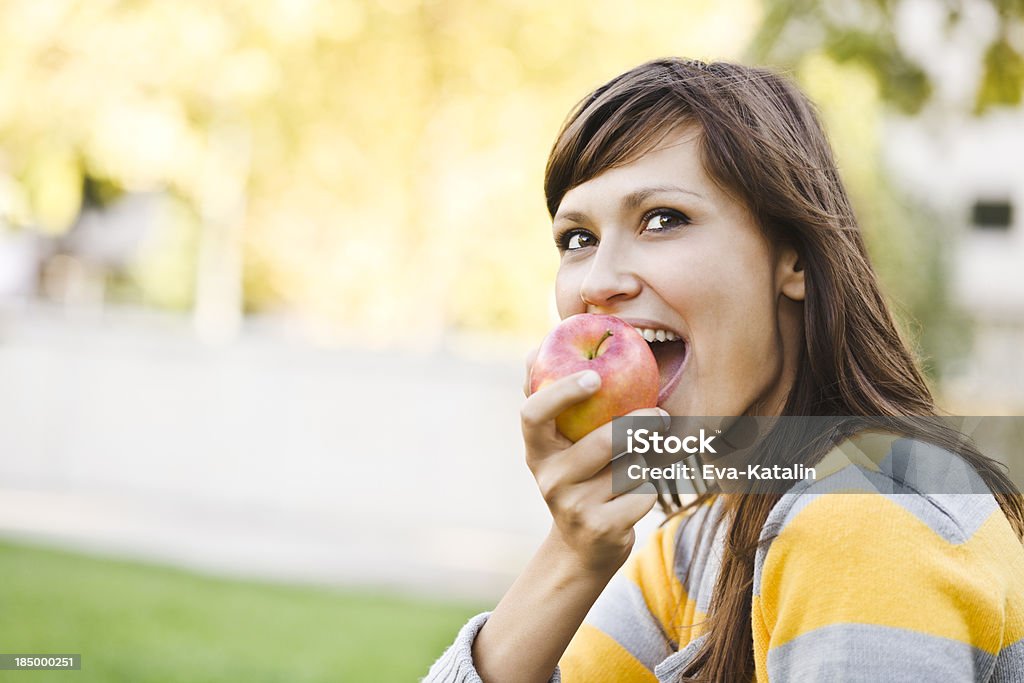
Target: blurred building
969,170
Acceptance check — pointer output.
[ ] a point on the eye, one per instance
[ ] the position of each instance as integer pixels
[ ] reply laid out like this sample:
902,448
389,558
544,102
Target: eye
572,240
663,219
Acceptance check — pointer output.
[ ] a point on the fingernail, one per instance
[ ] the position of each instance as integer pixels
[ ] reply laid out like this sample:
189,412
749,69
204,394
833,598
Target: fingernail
665,418
590,380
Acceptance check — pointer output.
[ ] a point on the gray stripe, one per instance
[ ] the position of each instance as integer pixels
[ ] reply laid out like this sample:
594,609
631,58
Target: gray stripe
968,511
964,496
622,613
672,667
946,479
864,652
1010,664
705,576
699,579
686,536
931,469
455,665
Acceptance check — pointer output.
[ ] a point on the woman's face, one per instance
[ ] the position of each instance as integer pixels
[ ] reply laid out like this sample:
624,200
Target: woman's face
657,243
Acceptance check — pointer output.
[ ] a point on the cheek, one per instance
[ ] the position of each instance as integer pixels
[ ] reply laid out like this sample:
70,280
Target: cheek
745,274
727,297
720,285
746,328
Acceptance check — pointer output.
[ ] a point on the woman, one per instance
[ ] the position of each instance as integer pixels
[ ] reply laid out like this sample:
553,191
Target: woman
703,200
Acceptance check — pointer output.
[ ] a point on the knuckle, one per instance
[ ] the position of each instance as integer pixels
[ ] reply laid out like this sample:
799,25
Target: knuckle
547,485
601,528
595,527
572,511
529,417
578,510
603,438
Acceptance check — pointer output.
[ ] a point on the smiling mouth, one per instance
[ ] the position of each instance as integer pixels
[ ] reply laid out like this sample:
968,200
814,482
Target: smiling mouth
670,351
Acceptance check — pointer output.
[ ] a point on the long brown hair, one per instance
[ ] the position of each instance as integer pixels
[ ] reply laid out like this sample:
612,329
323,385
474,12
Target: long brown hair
762,142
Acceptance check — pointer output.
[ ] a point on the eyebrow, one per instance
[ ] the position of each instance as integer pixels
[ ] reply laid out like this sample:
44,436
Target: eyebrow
632,200
637,197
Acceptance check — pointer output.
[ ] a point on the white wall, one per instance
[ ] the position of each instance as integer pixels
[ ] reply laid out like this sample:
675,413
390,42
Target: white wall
124,435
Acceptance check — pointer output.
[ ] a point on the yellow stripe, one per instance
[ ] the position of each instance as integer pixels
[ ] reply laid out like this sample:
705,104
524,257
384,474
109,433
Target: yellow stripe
593,655
996,543
691,624
862,558
652,569
762,638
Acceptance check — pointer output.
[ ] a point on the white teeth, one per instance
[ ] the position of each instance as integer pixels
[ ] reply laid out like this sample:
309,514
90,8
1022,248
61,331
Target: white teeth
653,335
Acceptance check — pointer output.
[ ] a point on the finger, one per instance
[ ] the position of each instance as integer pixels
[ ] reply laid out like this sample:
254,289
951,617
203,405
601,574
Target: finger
610,482
544,405
531,357
620,470
594,450
653,412
630,508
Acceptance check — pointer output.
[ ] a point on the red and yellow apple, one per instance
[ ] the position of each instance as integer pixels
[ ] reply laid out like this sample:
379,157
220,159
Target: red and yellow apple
615,351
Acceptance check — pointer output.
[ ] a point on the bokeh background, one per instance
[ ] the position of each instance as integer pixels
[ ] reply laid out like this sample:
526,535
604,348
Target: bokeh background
268,271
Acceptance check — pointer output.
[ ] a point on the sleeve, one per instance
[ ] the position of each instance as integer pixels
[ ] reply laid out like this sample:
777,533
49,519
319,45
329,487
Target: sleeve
631,627
456,664
868,587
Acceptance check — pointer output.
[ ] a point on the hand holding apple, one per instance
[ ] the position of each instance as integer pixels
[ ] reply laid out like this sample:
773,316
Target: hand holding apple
613,349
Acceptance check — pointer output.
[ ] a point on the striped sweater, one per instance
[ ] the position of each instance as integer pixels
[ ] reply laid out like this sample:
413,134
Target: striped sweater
860,578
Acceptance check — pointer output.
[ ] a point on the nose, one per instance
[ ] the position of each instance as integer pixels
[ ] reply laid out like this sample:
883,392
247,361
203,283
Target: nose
610,279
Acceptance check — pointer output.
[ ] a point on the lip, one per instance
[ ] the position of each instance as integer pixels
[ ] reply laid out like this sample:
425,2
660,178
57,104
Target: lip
670,386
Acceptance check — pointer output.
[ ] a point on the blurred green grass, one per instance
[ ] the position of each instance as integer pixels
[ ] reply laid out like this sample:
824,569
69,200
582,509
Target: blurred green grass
141,623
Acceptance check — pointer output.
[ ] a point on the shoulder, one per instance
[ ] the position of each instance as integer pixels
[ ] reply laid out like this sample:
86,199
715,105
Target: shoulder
889,497
864,545
886,484
878,538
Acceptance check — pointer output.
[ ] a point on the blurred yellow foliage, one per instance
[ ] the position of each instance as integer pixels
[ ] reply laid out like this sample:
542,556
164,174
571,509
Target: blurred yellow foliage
387,155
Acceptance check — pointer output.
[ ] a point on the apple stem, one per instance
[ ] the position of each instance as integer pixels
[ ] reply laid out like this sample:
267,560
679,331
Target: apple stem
593,354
